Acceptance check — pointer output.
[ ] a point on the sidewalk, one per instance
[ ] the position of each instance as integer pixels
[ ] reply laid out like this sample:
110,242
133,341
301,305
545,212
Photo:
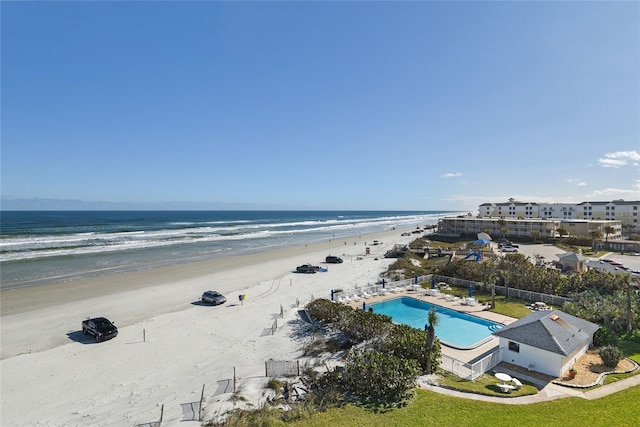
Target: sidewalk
547,391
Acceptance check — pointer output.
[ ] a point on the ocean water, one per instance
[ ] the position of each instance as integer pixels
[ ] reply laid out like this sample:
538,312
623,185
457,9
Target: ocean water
40,247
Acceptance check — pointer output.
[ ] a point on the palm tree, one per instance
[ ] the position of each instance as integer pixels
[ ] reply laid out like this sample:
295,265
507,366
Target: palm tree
488,274
503,227
562,231
596,236
432,321
536,235
608,230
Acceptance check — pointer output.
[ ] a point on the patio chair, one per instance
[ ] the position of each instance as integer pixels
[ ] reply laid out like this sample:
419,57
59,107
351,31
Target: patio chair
516,382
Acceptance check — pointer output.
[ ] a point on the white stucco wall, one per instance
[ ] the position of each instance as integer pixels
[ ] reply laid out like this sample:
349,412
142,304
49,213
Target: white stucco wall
541,361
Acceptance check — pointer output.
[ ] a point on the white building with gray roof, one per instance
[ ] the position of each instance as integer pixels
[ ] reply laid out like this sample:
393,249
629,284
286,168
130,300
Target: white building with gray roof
549,342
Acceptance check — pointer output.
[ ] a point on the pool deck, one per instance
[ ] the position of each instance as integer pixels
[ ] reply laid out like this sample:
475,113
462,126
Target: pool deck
548,390
476,310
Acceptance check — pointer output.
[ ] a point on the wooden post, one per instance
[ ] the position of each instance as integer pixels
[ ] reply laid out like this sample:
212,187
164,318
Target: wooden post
144,335
161,414
200,407
234,379
266,369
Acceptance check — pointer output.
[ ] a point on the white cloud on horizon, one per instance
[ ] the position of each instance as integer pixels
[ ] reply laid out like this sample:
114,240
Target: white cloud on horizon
619,158
614,193
451,174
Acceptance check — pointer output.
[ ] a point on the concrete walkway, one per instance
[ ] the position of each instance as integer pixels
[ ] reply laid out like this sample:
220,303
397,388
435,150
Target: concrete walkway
547,391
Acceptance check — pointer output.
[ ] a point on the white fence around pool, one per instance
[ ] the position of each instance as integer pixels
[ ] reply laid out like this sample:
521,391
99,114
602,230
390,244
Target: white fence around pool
470,371
384,287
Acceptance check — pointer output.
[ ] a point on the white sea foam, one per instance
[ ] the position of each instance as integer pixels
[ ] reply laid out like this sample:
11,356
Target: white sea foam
33,257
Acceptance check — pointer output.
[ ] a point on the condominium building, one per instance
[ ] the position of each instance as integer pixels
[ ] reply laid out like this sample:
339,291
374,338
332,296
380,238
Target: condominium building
465,226
626,213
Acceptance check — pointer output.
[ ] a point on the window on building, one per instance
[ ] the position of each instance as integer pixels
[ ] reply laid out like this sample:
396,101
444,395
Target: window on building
514,346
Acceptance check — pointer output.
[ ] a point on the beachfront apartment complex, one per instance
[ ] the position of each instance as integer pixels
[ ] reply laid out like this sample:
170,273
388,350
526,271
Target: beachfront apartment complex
466,225
613,219
616,210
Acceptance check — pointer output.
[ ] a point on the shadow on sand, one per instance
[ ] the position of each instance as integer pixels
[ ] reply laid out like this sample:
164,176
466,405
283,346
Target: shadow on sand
78,336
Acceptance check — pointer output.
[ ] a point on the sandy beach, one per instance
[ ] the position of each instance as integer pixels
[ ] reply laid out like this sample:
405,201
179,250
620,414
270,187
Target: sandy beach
169,345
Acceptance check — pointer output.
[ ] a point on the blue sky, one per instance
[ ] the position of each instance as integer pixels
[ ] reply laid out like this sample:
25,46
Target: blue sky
320,105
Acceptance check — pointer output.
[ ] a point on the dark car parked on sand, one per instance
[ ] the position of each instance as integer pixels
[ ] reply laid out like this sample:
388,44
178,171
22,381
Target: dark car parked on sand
333,259
307,268
101,328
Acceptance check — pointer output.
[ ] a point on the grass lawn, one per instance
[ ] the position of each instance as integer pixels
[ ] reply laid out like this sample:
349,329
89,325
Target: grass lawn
508,307
434,409
485,384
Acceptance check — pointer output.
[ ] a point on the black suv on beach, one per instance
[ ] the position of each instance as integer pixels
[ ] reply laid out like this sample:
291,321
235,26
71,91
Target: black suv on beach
333,259
307,268
101,329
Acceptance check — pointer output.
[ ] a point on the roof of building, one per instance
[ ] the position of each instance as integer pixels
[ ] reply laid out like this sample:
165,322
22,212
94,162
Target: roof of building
572,256
554,331
612,202
510,204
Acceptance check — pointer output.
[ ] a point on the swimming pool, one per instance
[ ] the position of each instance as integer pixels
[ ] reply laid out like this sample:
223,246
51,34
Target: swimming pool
455,329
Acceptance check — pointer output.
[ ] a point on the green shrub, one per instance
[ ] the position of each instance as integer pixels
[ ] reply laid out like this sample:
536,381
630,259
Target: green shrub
610,355
372,376
605,337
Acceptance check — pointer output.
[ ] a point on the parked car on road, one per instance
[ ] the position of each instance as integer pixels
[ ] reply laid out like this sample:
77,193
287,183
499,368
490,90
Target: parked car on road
307,268
333,259
102,329
213,297
509,249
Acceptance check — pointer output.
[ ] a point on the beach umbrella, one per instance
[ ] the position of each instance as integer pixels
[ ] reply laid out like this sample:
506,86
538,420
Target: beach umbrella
382,283
416,279
470,291
332,293
364,305
433,283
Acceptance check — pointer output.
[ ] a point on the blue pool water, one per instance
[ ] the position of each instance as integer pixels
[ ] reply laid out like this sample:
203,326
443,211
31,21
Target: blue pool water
454,328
